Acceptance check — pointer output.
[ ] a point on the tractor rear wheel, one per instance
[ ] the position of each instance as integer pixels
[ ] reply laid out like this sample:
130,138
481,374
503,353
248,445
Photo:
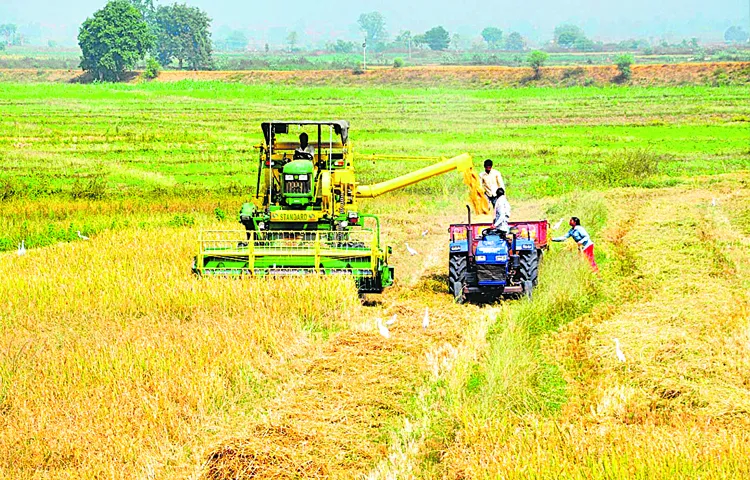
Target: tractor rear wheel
457,276
529,270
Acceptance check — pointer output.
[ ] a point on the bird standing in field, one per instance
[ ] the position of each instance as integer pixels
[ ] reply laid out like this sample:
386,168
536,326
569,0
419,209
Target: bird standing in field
424,234
426,319
21,248
618,350
410,250
82,237
713,202
382,328
391,321
557,225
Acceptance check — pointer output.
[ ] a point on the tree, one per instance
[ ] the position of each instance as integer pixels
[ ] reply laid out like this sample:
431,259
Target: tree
437,38
236,41
9,31
623,63
536,61
403,39
113,40
493,36
291,39
183,34
343,47
148,13
514,42
584,44
146,7
567,35
735,34
373,25
456,41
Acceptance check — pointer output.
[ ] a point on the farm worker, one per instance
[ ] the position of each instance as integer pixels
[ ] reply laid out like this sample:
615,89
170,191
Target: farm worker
304,148
582,238
491,180
502,211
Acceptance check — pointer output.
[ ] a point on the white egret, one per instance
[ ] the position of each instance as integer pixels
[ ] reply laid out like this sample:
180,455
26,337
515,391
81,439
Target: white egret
426,319
425,233
557,225
382,328
410,250
391,321
618,350
21,248
713,202
82,237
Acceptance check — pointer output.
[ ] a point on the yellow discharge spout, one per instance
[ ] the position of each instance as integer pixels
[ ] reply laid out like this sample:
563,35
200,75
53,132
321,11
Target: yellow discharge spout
462,163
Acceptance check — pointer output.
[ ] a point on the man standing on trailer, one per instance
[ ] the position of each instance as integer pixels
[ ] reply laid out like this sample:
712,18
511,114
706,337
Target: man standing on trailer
582,238
491,180
502,212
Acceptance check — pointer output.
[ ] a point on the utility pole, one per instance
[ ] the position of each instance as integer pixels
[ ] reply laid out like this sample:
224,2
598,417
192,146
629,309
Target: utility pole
364,55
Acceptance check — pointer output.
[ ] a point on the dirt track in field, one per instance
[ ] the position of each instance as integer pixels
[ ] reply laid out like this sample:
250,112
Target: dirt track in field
469,76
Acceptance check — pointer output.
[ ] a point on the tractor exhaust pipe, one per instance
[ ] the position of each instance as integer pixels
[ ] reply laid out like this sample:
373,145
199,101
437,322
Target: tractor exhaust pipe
470,232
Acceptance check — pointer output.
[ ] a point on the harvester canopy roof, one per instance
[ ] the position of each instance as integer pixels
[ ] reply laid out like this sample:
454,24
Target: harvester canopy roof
341,127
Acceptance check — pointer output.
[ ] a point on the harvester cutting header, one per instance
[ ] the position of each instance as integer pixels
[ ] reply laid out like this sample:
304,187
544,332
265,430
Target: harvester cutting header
304,217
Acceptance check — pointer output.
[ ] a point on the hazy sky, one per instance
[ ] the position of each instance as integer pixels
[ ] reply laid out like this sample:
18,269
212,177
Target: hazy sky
603,19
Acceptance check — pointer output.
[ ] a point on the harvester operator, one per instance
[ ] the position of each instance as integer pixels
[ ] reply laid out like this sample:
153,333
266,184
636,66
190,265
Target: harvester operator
502,212
582,238
305,151
491,180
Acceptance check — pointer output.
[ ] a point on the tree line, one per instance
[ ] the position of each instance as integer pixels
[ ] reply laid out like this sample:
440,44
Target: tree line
114,39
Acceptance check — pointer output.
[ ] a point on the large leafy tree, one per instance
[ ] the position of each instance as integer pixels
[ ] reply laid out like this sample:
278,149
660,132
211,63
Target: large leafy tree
514,42
735,34
8,30
236,41
373,25
437,38
113,40
493,36
567,35
183,35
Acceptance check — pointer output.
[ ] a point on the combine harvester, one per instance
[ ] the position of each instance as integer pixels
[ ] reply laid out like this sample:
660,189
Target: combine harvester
305,218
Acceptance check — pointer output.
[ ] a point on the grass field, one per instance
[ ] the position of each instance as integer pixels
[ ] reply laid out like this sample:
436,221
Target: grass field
115,362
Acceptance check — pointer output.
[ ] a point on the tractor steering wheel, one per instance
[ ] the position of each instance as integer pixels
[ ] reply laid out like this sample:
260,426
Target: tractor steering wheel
302,155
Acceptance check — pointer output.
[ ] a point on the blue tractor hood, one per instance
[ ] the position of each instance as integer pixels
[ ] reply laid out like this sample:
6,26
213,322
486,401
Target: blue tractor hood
492,250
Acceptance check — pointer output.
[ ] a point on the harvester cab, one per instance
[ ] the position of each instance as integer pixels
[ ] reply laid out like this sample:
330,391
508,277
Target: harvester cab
304,217
289,172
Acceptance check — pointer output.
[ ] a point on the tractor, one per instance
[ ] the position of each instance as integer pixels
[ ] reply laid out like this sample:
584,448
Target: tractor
305,217
484,262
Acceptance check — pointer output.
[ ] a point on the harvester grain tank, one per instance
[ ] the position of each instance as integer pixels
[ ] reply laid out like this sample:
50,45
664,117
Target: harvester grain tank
305,216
